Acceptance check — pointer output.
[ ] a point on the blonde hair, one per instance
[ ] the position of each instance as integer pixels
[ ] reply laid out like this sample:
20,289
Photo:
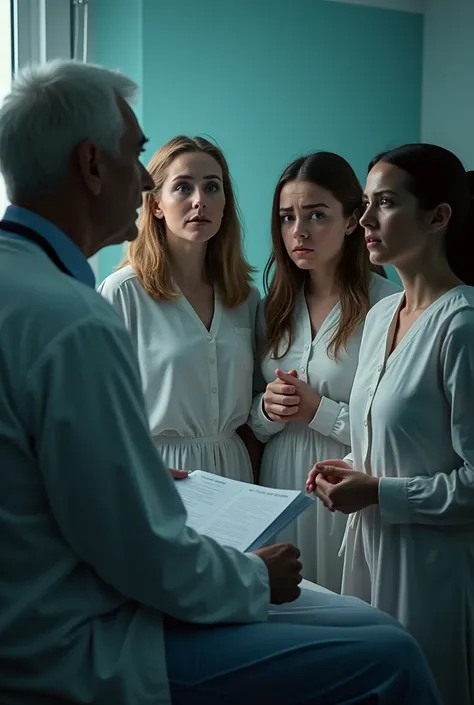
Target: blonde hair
226,265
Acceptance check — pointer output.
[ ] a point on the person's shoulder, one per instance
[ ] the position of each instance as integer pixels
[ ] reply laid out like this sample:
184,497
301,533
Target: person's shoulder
453,325
118,281
461,297
249,306
262,312
383,293
457,312
381,288
42,293
384,308
255,292
48,306
254,297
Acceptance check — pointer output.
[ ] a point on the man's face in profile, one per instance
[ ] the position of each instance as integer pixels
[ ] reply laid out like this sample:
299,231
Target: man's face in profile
125,180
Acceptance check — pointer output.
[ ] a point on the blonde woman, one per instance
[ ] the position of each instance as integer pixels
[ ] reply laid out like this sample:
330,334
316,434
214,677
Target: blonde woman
320,288
184,292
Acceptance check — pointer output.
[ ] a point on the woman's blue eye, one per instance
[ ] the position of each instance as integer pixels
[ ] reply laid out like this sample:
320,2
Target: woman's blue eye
211,187
317,216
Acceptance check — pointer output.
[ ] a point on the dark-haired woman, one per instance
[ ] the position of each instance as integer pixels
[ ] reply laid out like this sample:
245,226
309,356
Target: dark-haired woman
409,482
320,289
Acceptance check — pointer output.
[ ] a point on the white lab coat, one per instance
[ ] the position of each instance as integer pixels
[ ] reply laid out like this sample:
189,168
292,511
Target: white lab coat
197,383
93,543
412,425
292,449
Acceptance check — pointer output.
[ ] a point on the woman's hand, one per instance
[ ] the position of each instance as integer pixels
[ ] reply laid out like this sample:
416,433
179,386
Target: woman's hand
290,399
342,489
314,472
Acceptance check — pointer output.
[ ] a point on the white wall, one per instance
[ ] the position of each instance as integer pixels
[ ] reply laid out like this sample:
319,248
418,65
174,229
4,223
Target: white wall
448,77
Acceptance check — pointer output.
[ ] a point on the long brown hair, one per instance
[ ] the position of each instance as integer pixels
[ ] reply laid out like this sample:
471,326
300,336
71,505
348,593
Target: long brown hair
226,265
284,280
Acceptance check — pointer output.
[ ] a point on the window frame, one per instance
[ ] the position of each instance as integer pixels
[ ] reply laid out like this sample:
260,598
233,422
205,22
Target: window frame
43,30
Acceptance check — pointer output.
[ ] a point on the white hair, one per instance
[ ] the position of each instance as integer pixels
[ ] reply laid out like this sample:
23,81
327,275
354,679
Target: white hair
51,109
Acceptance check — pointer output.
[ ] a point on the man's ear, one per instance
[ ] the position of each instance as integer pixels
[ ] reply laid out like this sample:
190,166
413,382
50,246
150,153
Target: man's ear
91,166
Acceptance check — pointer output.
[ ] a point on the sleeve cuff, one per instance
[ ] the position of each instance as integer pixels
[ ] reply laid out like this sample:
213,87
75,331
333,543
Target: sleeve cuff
267,424
325,417
393,500
264,602
349,460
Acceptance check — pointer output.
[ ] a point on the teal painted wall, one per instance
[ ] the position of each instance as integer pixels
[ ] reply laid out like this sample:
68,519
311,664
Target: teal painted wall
268,80
116,42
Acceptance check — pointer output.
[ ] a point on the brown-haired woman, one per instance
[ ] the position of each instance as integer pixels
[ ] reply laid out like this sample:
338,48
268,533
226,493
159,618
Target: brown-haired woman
320,288
184,292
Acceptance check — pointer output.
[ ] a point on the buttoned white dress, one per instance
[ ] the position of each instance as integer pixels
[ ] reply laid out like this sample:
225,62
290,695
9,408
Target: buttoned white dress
412,425
197,383
293,448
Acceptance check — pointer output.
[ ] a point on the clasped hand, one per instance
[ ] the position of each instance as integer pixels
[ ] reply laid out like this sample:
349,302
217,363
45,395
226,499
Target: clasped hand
290,399
340,488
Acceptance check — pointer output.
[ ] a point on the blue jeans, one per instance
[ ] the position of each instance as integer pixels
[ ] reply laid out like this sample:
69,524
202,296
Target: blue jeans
323,649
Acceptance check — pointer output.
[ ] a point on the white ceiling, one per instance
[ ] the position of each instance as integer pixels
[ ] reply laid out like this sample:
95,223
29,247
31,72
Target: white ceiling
417,6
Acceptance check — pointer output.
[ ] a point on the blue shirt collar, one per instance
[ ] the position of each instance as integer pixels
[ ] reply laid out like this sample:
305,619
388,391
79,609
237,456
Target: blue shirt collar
68,252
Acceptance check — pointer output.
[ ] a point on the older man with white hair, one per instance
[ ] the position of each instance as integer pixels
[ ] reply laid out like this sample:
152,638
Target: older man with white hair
106,597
